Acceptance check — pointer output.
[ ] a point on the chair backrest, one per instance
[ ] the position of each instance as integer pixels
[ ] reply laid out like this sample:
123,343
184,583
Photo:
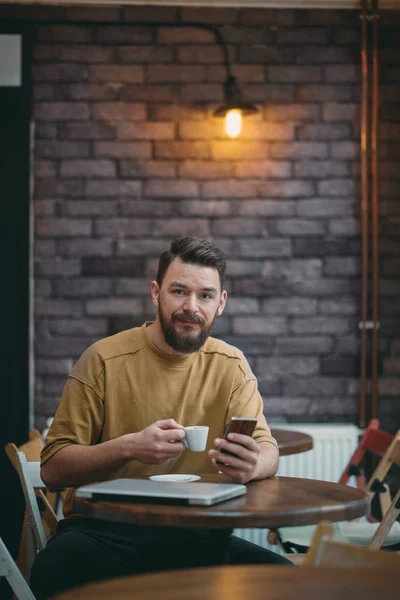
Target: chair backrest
387,522
326,552
10,571
373,440
29,475
31,448
375,484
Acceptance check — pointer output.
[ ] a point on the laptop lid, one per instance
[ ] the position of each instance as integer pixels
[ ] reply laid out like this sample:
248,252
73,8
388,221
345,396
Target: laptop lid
163,492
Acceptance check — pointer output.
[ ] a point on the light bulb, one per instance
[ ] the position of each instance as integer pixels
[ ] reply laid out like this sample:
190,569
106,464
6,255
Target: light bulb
233,123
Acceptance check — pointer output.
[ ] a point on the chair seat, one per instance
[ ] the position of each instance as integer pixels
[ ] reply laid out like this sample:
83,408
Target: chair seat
358,533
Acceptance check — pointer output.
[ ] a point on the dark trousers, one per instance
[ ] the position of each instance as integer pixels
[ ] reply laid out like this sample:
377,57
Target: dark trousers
85,550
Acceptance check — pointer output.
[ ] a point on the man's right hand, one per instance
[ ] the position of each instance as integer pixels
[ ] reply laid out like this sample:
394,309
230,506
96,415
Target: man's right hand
159,442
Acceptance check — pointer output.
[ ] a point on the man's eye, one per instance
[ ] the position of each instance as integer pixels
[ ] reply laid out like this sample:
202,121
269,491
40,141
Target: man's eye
206,296
177,292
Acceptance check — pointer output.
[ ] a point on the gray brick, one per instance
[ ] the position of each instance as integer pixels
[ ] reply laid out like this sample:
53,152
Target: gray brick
314,386
347,149
142,247
178,227
297,227
122,227
59,149
292,112
82,287
61,111
292,270
290,306
99,208
321,207
268,131
65,347
171,189
319,325
263,170
78,327
282,366
324,54
44,248
348,265
114,306
267,208
196,169
70,188
88,168
50,366
58,308
287,189
301,346
321,247
321,169
135,286
271,247
312,92
346,227
229,189
340,365
324,287
341,112
294,74
246,325
48,227
238,227
269,386
303,35
182,149
239,268
337,187
342,73
242,305
391,366
299,150
206,208
340,306
265,54
325,131
389,386
148,208
149,168
282,406
111,267
42,288
85,247
46,208
56,267
114,188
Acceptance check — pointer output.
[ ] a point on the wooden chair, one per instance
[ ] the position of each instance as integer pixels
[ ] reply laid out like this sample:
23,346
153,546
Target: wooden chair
10,571
327,552
298,539
38,506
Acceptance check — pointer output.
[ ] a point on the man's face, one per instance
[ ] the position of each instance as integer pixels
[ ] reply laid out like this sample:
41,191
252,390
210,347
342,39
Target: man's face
189,300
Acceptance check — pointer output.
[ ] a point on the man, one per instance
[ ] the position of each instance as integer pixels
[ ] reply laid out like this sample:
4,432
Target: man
122,414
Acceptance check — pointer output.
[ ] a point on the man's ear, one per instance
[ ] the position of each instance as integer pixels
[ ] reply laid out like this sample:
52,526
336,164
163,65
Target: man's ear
222,303
155,292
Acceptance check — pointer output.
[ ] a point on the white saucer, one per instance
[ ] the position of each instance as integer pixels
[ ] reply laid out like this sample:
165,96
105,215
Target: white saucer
177,477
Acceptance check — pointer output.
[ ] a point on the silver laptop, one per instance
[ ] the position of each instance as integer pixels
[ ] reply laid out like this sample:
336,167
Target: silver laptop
143,490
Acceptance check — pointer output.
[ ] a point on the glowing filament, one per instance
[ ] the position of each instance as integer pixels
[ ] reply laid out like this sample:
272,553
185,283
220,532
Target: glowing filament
233,123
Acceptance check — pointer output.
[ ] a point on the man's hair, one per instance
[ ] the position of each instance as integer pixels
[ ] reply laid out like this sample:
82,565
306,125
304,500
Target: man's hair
195,251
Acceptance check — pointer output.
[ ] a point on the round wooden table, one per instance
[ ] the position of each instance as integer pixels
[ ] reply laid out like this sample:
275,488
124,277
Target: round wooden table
292,442
255,582
270,503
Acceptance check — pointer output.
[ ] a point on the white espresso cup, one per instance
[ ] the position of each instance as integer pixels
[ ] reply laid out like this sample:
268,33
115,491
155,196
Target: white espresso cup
196,438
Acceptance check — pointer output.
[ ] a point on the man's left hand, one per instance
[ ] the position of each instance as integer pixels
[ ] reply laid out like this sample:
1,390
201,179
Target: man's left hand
242,464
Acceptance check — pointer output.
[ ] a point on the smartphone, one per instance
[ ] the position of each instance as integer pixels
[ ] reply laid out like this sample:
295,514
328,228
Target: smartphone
243,425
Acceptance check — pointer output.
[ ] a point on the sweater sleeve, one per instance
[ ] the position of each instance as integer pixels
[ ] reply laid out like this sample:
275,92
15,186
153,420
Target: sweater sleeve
79,417
246,401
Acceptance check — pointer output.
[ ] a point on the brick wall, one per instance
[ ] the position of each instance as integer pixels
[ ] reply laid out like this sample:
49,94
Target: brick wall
128,156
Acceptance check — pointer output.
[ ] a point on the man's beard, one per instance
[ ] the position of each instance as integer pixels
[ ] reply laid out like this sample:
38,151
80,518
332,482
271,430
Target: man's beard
187,340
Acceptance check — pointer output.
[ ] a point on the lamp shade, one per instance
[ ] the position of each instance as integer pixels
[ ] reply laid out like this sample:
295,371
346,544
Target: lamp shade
233,100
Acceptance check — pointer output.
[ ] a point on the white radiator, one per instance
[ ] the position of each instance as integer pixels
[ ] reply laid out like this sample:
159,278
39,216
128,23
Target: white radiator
333,444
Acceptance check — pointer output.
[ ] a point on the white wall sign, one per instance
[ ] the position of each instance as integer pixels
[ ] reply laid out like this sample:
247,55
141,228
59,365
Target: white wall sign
10,60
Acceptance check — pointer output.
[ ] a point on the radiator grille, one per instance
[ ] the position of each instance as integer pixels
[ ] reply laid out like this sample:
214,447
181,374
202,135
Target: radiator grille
333,444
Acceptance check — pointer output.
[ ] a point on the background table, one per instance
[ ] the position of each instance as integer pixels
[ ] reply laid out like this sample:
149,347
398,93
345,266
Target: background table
269,503
292,442
255,582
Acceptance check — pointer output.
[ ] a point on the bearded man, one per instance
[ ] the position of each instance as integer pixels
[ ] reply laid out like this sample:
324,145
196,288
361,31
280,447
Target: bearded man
123,413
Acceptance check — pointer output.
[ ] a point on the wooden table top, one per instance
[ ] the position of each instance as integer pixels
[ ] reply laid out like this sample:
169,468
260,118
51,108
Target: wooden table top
255,582
270,503
292,442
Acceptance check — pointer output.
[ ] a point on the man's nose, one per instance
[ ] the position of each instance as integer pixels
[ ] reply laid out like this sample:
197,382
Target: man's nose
190,304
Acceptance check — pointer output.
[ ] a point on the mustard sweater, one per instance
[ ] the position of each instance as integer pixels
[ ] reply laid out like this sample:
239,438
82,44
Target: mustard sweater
122,384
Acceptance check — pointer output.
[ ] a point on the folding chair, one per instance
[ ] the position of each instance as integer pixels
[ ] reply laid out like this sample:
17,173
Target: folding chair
298,539
10,571
30,473
328,552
